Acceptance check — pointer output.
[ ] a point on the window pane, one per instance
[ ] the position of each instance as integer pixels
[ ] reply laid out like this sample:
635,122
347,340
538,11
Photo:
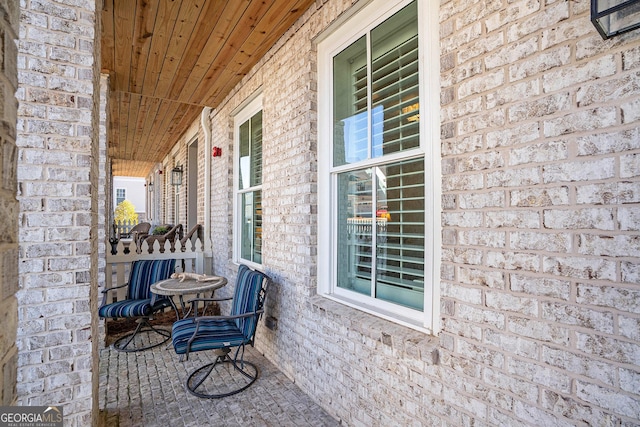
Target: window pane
244,150
400,239
354,231
350,143
251,229
256,149
394,83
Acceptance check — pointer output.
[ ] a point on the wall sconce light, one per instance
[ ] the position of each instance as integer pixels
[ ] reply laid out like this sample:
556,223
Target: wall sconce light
216,151
150,186
176,175
613,17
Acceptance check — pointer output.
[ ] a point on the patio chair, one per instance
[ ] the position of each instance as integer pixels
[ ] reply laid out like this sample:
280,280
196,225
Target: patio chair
221,333
141,304
139,232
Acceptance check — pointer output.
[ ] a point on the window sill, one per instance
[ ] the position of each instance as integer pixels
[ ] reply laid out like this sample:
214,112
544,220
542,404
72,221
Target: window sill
407,341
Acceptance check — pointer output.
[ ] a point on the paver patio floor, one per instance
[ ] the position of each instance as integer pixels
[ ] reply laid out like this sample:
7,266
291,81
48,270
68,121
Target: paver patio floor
147,389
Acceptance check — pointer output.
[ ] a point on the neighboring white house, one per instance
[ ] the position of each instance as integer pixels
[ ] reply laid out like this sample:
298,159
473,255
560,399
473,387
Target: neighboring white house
131,189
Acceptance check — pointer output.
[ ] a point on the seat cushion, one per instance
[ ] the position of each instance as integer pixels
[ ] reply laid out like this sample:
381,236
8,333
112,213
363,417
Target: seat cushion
212,334
129,308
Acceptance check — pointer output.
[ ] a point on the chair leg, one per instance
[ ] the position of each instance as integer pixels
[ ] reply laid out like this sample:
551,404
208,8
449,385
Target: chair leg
122,343
248,371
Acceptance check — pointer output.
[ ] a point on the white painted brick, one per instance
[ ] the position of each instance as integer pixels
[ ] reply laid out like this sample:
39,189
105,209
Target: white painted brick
473,276
513,219
575,409
482,238
514,178
540,107
540,286
589,120
540,374
539,153
596,218
504,381
513,261
464,294
554,196
610,246
580,268
608,398
629,327
609,348
552,242
589,71
512,344
572,315
539,331
512,53
609,194
606,143
505,137
623,299
546,60
630,166
481,84
630,381
491,199
504,302
609,90
630,111
514,93
548,16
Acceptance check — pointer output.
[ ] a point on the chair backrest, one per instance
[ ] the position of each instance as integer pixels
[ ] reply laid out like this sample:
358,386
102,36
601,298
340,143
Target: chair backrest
249,296
145,273
141,227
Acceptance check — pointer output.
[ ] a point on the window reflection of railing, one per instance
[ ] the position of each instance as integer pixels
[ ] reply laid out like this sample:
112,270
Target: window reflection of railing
363,225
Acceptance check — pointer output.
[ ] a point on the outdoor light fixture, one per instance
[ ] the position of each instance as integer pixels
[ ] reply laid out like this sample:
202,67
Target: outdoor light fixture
613,17
150,187
176,175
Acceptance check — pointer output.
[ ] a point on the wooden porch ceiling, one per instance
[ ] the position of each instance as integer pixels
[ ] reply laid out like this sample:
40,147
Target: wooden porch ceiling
167,59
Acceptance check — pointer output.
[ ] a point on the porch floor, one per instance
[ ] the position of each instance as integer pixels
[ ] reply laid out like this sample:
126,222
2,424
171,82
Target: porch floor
147,389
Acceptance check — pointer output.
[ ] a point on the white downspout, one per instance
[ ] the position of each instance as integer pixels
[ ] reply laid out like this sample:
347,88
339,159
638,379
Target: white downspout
206,127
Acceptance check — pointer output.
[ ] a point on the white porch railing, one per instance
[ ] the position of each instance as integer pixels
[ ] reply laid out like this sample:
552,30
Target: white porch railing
189,259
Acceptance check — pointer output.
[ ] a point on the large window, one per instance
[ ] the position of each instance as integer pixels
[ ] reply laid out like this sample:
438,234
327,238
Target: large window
376,185
248,183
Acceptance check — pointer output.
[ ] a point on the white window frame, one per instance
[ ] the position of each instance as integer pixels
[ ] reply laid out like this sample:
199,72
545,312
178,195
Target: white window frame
124,191
244,112
333,41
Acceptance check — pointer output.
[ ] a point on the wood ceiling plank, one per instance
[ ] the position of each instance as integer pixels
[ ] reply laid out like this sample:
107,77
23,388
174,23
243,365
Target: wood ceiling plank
124,11
148,137
107,37
221,36
266,34
195,55
162,32
134,107
183,31
144,27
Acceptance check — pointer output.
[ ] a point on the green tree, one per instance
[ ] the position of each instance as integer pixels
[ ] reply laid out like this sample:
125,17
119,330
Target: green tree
126,212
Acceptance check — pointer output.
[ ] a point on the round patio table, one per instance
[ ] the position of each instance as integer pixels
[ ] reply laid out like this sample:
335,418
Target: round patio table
182,287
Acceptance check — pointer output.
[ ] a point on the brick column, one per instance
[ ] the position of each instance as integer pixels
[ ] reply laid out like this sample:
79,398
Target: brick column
9,15
58,174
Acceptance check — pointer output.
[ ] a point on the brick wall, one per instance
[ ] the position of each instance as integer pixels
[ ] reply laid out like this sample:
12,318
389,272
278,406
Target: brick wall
57,173
540,231
9,15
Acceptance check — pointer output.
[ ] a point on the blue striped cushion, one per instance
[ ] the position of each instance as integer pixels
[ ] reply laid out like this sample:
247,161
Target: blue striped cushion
246,299
144,273
211,335
129,308
214,334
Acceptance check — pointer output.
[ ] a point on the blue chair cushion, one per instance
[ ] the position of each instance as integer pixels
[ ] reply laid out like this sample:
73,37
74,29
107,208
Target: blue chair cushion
128,308
140,301
145,273
212,334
